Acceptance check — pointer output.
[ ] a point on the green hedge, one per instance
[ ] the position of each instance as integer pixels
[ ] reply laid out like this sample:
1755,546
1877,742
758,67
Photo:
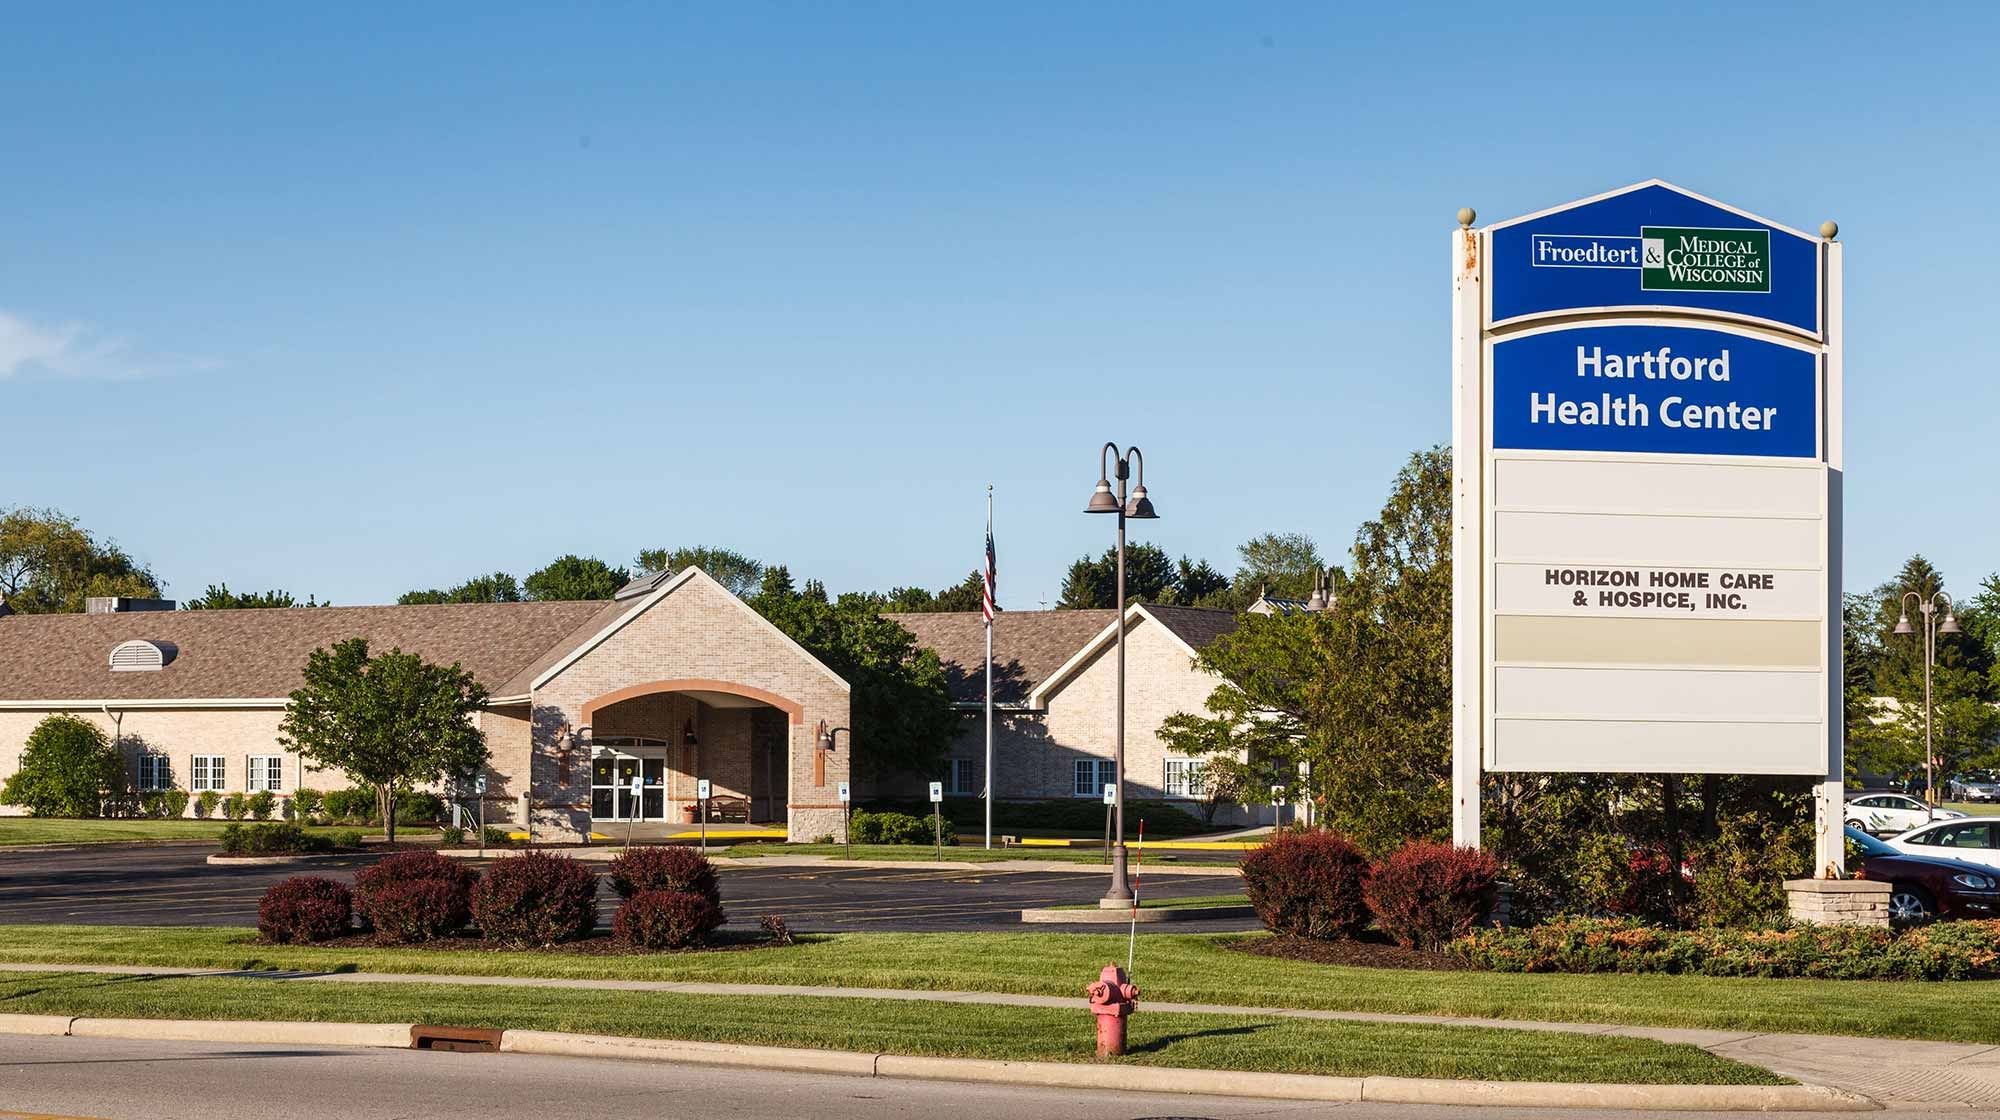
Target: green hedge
277,838
1939,951
1083,816
867,826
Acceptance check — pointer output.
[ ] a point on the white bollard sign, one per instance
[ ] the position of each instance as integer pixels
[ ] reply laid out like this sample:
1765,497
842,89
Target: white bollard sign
1647,460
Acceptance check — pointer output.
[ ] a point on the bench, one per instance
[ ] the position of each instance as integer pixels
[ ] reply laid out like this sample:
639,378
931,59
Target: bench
729,810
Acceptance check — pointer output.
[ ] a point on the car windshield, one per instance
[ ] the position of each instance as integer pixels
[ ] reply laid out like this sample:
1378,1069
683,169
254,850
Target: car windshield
1868,844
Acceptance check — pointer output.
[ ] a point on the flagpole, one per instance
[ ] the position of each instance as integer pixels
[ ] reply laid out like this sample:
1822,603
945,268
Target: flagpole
989,671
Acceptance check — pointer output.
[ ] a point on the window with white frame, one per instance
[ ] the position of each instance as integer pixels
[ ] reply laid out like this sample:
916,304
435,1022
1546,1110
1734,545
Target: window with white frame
267,772
1183,778
155,773
1092,775
960,780
205,773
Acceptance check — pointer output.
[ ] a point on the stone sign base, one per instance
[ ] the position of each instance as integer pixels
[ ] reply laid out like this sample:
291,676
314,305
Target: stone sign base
1834,902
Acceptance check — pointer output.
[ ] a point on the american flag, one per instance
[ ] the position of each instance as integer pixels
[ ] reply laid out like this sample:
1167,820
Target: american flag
992,575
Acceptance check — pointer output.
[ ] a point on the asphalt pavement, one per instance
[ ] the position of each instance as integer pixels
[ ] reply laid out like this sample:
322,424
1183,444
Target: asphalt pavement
108,1079
172,885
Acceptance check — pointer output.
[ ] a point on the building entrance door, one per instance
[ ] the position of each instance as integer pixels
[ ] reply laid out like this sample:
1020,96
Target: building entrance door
613,765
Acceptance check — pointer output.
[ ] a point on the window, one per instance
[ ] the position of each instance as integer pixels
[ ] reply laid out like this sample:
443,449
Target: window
155,773
206,773
959,780
1183,778
1957,836
1092,775
265,772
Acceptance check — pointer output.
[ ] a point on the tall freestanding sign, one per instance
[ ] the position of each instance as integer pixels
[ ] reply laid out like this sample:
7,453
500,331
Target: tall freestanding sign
1647,461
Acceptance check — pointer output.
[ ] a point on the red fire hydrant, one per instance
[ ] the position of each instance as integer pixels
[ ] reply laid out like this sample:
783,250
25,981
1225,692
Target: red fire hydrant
1111,1000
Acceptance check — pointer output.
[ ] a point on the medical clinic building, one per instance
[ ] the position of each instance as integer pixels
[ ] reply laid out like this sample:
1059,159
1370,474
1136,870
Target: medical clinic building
674,681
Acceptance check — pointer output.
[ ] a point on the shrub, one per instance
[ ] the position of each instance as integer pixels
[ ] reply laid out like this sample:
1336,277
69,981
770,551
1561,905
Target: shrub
1307,883
494,835
304,908
536,899
775,928
682,870
1080,815
204,806
260,804
347,838
275,838
1739,876
65,765
415,896
868,827
1945,951
233,806
666,920
1426,895
350,805
417,807
173,803
451,837
152,805
307,803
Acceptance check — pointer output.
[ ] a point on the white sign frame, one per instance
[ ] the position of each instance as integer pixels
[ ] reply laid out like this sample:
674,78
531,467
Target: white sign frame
937,793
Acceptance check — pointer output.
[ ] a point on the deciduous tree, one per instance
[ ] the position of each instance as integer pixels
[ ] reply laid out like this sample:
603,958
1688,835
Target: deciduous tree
68,766
50,564
390,721
576,577
496,588
218,597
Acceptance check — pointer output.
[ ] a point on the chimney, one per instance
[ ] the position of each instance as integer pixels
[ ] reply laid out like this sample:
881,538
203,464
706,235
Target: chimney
119,604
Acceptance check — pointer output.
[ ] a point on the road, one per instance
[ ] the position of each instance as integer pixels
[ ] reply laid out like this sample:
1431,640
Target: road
121,1080
173,886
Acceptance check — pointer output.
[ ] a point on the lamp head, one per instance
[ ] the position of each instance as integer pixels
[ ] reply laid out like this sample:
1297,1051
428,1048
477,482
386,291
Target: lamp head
1950,624
1141,507
1102,500
1903,625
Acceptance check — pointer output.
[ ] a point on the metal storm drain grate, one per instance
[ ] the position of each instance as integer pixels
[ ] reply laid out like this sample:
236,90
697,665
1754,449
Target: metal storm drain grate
463,1040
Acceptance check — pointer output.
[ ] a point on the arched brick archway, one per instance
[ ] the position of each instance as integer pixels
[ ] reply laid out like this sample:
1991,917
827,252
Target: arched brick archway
793,710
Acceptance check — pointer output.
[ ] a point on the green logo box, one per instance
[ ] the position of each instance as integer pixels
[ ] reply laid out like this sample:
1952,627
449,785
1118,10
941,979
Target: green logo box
1674,259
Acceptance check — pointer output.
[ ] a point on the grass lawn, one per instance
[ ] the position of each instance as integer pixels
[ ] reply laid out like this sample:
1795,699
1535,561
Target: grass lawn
894,1026
1975,808
1193,968
61,830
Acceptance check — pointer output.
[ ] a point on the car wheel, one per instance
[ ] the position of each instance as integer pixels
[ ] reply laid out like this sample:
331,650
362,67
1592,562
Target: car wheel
1857,826
1910,904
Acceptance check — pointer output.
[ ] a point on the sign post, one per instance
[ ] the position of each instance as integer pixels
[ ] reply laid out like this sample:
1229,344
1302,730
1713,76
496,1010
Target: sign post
701,794
638,788
1646,437
937,817
847,819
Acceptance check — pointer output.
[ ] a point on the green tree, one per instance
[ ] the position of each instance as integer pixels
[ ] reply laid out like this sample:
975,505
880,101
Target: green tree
1965,723
218,597
576,577
68,768
1196,583
898,704
50,564
966,595
1093,584
390,722
496,588
739,573
1283,564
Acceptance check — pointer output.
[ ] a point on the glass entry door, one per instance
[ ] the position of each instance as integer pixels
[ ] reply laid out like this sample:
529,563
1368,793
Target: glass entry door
613,765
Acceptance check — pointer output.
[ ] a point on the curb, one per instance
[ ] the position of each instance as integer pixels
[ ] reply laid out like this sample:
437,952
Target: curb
1095,917
1065,1075
219,859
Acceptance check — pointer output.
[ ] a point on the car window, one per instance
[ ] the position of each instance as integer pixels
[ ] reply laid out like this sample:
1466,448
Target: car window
1903,803
1868,802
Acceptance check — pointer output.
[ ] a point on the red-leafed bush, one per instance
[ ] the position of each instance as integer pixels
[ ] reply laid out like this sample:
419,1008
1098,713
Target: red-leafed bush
536,899
415,896
304,908
1427,895
666,920
664,869
1307,883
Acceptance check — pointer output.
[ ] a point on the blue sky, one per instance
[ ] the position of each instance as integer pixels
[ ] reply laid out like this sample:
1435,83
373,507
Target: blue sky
350,302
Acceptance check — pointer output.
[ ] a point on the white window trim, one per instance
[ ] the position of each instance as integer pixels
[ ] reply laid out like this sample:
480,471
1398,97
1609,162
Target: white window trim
264,772
1185,773
150,765
208,772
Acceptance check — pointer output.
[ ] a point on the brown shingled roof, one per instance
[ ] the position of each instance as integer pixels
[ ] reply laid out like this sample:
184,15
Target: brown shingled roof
257,654
1027,646
1197,626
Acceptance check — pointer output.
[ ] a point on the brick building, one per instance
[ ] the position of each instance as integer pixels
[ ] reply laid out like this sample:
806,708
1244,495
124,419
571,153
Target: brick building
674,681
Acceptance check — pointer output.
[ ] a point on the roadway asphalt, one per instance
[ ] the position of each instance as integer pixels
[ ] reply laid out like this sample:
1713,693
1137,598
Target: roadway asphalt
110,1079
173,886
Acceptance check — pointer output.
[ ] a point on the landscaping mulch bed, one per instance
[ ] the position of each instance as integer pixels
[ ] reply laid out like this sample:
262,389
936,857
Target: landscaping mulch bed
599,945
1370,949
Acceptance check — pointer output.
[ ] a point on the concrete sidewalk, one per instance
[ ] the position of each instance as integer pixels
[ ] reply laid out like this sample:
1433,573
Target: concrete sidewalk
1895,1072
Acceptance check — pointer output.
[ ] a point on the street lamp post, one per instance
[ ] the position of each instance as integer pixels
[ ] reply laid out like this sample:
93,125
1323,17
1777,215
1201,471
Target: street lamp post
1927,605
1138,507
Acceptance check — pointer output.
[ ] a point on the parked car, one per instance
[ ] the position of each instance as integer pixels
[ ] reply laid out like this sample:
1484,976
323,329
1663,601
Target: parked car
1980,785
1888,814
1971,839
1924,887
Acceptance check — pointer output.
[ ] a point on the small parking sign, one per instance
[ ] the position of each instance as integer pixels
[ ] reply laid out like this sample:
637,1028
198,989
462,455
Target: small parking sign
701,789
1110,794
843,793
937,792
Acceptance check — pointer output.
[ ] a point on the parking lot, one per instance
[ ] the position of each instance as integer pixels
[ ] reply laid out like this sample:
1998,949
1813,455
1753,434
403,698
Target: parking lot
173,886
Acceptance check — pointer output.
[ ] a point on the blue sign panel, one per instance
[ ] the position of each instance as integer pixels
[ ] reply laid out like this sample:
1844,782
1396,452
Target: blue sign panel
1655,388
1654,246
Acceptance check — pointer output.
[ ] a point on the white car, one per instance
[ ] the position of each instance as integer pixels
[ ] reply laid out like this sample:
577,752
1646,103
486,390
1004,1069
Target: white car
1971,839
1887,814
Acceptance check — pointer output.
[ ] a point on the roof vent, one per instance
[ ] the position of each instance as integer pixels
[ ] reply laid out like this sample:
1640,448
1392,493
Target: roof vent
142,655
644,584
